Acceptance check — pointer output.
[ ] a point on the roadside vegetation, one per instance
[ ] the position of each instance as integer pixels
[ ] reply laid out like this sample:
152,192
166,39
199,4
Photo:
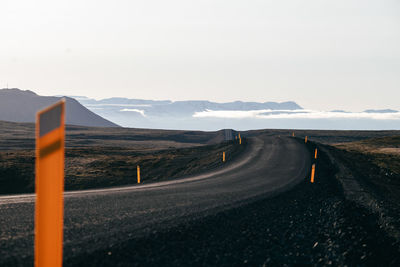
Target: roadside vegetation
384,152
103,157
97,167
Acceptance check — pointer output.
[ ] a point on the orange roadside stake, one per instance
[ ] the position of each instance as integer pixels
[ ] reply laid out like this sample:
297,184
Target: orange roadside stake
312,173
316,153
293,134
223,156
49,206
138,174
305,139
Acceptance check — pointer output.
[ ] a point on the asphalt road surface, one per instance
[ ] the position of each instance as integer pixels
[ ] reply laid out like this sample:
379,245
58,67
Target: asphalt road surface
95,219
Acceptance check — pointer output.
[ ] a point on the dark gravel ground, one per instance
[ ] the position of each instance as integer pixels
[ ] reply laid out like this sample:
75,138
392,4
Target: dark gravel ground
312,224
379,178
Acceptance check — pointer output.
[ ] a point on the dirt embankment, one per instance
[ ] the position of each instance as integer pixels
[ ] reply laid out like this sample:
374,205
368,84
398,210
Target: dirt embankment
370,176
375,164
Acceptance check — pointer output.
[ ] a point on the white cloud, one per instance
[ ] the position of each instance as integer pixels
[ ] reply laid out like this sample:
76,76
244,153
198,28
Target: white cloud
119,105
294,114
134,110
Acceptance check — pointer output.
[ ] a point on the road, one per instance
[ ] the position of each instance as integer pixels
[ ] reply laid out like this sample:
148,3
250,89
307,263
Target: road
95,219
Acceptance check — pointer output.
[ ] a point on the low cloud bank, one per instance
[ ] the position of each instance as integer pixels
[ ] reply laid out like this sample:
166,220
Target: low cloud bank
141,111
294,114
117,105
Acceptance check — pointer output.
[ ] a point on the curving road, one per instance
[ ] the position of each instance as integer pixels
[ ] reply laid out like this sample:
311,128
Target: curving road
95,219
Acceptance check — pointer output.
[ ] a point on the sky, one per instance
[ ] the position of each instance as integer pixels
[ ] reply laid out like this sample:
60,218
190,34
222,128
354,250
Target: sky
324,55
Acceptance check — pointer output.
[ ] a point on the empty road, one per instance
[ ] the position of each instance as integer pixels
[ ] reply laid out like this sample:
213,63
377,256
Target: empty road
95,219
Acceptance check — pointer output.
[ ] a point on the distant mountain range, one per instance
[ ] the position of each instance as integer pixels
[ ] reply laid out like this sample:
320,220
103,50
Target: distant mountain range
381,111
181,108
21,106
207,115
167,114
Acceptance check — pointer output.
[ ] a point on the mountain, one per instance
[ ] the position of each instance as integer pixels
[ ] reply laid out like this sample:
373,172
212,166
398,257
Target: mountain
380,111
339,111
180,108
167,114
207,115
21,106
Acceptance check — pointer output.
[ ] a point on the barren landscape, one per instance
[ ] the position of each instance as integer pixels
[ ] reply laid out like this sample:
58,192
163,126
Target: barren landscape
104,157
199,133
349,216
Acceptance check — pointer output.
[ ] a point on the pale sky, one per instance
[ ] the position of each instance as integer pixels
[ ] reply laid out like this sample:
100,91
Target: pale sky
338,54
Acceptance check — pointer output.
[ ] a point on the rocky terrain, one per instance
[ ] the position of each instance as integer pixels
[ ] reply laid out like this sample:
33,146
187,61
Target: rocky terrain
313,224
348,217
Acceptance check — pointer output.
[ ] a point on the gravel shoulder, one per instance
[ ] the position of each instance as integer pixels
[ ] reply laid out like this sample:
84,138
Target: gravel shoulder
370,185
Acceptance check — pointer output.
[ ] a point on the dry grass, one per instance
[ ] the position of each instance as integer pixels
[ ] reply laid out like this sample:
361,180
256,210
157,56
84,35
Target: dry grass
103,157
328,136
384,145
15,136
383,152
104,166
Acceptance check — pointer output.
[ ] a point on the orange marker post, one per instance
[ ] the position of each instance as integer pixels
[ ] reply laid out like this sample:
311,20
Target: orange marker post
293,134
239,136
240,141
138,174
223,156
316,153
312,173
305,139
49,207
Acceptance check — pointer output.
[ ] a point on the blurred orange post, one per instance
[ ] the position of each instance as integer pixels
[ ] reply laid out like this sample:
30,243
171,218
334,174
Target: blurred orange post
49,206
240,141
305,139
239,136
312,173
138,174
293,134
316,153
223,156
